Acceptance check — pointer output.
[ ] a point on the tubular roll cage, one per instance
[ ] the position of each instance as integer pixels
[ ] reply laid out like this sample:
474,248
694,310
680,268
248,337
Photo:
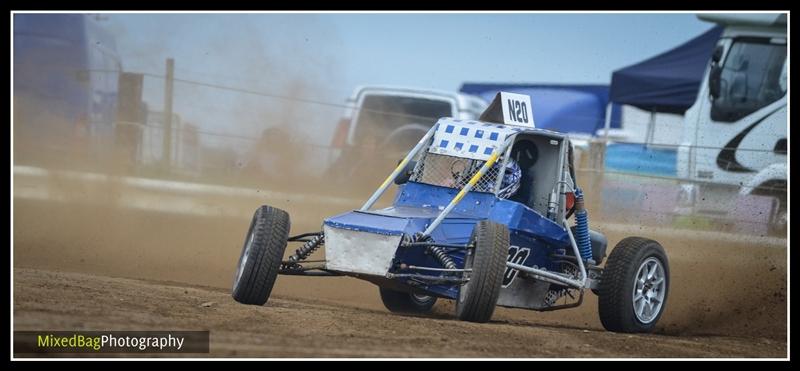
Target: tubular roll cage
543,275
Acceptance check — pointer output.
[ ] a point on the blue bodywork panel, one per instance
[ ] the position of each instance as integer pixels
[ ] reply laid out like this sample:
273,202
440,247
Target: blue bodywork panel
417,205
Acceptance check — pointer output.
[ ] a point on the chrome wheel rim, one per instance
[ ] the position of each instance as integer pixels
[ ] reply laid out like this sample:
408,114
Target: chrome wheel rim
649,290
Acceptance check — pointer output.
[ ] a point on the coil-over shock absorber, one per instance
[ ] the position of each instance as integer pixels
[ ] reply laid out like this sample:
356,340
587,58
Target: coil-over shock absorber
309,247
437,252
441,256
582,227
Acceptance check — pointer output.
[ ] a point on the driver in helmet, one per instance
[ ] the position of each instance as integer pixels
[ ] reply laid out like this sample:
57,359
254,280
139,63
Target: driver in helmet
512,175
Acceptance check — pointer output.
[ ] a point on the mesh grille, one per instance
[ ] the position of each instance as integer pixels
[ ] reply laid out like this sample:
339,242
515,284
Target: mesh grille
454,172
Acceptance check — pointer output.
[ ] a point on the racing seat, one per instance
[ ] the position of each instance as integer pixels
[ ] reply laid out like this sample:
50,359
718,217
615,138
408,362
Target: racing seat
525,193
538,159
526,154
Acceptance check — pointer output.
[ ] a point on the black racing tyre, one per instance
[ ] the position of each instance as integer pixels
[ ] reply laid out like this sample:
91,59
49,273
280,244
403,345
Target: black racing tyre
405,302
634,286
478,297
261,256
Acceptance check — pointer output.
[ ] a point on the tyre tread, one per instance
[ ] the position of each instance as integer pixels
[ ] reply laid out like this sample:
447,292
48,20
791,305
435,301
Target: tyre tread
270,227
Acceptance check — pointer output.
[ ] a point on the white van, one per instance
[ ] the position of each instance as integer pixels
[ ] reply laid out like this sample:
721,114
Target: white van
381,123
735,135
395,111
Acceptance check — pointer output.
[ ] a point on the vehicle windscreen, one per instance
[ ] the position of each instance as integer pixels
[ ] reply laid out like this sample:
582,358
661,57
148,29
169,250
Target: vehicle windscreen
396,122
753,76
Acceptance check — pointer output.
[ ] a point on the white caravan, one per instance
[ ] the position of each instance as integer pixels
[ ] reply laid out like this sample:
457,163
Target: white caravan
735,135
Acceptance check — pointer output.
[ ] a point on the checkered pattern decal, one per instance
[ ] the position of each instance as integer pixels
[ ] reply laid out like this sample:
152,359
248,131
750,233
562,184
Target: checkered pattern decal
469,139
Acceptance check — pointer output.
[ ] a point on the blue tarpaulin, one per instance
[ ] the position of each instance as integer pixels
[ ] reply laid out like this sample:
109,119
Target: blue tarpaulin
669,81
638,159
564,108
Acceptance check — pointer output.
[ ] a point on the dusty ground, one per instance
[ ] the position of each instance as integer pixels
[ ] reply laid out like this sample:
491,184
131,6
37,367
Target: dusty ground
726,300
306,327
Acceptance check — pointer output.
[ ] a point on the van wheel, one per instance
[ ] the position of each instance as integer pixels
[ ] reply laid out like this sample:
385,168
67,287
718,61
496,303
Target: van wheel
778,224
779,219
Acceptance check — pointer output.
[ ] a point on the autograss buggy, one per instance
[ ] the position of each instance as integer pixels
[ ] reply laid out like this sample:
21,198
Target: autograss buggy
448,235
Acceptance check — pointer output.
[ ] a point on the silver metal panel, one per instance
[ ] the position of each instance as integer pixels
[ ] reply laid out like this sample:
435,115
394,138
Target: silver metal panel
359,252
524,293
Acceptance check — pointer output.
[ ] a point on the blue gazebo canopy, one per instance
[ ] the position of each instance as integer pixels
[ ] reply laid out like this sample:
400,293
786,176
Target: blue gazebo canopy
669,81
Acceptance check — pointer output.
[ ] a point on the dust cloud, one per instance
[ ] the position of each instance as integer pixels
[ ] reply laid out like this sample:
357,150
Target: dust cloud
84,211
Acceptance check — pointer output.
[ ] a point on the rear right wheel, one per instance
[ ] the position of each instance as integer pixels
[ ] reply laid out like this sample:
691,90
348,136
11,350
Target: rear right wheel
634,286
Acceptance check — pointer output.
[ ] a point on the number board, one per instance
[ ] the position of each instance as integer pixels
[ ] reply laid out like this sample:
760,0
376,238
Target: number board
517,109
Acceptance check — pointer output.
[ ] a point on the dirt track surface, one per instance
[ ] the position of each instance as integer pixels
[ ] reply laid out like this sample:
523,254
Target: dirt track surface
301,327
71,236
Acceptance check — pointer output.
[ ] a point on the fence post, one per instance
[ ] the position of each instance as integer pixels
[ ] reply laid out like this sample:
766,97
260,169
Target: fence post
166,157
596,167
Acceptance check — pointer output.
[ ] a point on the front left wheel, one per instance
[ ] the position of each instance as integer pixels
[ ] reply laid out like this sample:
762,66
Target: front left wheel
487,260
261,256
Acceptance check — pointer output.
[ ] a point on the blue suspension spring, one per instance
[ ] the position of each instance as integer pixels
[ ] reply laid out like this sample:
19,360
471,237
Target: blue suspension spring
582,227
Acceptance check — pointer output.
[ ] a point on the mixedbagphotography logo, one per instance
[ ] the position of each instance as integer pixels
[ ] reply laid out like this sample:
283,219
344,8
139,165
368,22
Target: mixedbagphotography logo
26,342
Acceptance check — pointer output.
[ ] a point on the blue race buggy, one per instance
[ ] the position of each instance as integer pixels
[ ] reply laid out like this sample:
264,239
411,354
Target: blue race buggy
448,235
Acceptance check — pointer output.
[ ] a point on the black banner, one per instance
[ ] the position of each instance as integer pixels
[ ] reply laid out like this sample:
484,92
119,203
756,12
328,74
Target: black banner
33,342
